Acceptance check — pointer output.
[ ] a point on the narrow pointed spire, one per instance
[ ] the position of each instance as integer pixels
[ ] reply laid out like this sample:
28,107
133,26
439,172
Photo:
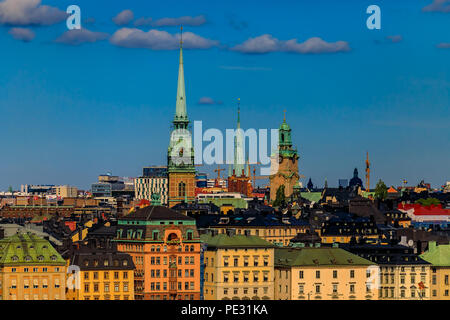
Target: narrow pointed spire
180,113
238,167
239,113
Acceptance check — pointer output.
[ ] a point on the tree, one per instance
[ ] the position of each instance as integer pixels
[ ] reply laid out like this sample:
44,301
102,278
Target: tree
280,197
381,190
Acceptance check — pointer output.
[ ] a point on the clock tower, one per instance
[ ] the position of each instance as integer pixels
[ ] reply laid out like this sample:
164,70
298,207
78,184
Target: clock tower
180,156
287,173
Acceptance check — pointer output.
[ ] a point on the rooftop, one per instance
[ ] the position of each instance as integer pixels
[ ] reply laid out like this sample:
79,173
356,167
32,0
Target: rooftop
156,213
236,241
323,256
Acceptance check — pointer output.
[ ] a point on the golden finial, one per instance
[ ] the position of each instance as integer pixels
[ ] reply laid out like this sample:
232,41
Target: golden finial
284,115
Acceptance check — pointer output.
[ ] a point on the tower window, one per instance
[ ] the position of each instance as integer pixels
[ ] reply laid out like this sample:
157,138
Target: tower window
181,189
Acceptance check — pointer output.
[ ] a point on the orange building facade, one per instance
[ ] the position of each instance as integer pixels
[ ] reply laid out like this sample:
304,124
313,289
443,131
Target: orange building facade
165,247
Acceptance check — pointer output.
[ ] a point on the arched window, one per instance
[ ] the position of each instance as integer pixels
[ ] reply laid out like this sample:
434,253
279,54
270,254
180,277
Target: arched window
172,237
282,137
181,189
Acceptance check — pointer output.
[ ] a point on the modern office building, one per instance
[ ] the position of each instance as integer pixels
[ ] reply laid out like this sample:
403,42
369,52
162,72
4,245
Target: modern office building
153,181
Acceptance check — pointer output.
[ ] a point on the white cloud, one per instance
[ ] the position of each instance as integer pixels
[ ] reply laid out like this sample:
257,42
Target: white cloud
208,101
185,21
267,43
123,17
158,40
438,6
79,36
29,12
169,22
23,34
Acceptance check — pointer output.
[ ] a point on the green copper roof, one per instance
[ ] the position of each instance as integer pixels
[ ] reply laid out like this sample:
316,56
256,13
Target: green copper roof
235,202
285,126
324,256
236,241
437,255
312,196
28,249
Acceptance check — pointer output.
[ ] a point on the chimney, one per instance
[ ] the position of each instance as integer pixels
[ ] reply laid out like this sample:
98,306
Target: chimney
231,232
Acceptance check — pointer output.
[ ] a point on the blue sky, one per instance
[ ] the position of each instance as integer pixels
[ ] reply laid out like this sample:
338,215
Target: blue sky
75,107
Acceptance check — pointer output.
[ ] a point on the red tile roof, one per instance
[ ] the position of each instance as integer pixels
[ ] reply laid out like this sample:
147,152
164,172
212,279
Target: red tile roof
432,210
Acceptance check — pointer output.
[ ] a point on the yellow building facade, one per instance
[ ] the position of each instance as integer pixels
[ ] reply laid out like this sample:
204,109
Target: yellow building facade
439,257
238,267
100,274
312,273
30,269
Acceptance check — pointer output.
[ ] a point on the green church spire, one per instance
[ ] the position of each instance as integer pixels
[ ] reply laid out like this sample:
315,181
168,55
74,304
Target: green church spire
285,140
180,113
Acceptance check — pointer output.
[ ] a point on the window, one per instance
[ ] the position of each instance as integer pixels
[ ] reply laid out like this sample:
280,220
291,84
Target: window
352,273
300,274
106,287
181,189
335,274
317,288
235,262
352,288
317,274
335,288
301,288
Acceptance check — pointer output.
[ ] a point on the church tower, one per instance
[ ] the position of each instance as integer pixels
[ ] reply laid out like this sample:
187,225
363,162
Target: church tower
239,176
287,173
180,159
